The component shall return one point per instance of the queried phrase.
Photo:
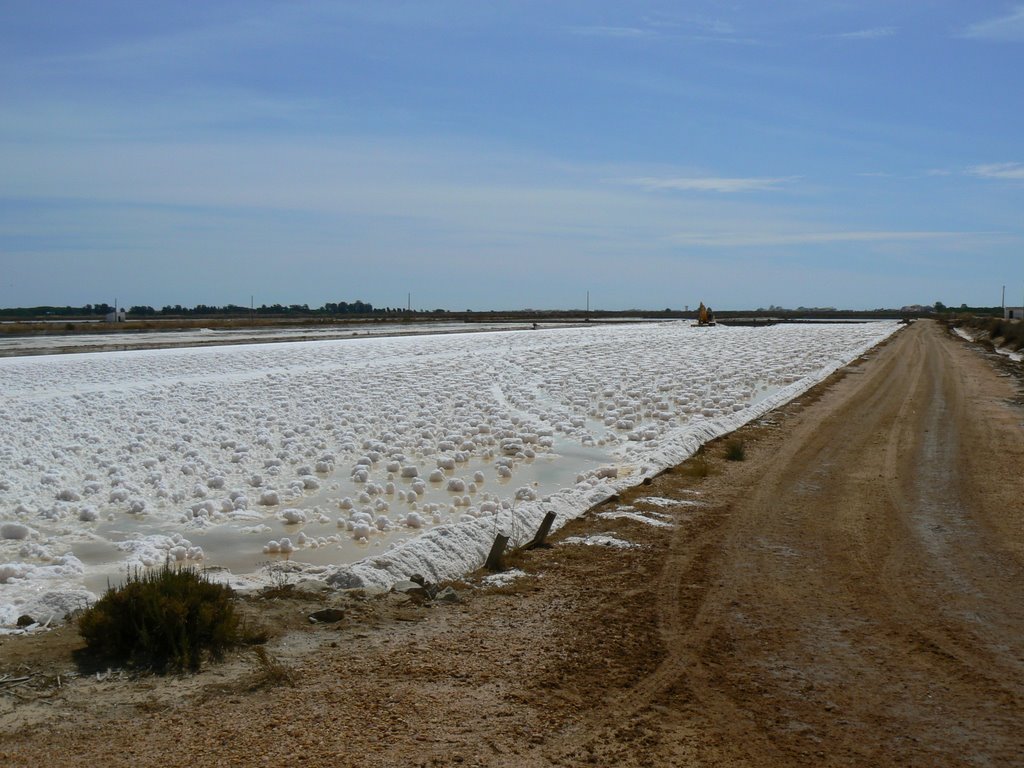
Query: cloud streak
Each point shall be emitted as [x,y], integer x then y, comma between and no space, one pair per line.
[619,33]
[748,239]
[1002,171]
[721,185]
[875,33]
[1005,28]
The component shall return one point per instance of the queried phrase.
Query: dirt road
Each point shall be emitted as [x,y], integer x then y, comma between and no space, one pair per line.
[852,595]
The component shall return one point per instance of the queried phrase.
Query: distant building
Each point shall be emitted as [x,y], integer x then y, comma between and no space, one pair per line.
[118,316]
[1013,313]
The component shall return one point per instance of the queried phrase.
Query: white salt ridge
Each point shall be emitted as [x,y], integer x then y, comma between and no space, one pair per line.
[629,513]
[502,579]
[38,595]
[201,440]
[963,334]
[156,550]
[659,501]
[601,540]
[53,344]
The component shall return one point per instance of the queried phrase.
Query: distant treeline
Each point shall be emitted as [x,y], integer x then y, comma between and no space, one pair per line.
[204,310]
[965,310]
[357,308]
[330,308]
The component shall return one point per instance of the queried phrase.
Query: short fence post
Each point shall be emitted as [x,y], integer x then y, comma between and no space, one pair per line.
[542,532]
[495,560]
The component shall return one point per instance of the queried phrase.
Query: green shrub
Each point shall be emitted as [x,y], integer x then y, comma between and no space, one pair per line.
[166,619]
[735,450]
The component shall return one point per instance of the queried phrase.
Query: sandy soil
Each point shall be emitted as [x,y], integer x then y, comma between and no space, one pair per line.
[852,594]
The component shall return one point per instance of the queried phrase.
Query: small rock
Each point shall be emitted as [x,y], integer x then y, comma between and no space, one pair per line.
[25,621]
[316,586]
[345,579]
[412,589]
[327,616]
[418,579]
[448,595]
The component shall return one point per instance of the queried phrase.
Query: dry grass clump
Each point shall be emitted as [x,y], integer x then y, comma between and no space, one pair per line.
[697,466]
[271,672]
[735,450]
[1011,331]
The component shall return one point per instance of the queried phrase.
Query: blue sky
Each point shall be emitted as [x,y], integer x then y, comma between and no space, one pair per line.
[512,154]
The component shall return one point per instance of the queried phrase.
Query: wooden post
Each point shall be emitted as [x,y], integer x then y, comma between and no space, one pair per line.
[495,560]
[542,532]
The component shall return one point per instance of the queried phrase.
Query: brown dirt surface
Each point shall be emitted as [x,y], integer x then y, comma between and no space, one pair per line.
[852,594]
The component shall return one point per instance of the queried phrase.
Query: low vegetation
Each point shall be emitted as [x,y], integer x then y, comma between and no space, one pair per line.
[735,450]
[1006,333]
[1010,331]
[168,619]
[697,466]
[271,673]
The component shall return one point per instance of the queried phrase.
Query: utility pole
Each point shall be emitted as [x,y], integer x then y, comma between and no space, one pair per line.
[588,302]
[408,302]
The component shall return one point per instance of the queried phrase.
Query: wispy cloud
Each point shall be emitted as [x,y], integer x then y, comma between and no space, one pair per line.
[938,172]
[614,32]
[722,185]
[874,33]
[691,29]
[1004,171]
[1009,27]
[733,240]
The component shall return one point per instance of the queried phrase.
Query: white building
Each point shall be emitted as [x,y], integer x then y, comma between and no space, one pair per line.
[117,317]
[1013,313]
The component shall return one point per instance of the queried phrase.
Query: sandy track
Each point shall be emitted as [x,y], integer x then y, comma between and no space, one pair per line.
[852,594]
[869,604]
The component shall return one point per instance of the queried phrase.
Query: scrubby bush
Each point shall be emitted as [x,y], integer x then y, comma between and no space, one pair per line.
[166,619]
[1011,331]
[735,450]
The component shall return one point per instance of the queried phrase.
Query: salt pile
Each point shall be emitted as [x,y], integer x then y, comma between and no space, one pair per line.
[322,452]
[631,513]
[600,540]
